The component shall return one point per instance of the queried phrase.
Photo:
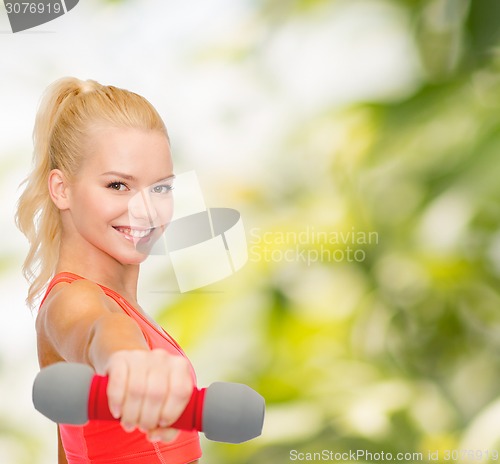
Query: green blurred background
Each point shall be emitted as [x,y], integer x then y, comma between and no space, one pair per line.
[360,142]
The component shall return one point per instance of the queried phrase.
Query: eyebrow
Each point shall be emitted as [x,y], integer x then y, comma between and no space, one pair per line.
[132,178]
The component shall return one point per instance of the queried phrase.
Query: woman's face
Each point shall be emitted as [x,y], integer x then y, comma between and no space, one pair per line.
[121,200]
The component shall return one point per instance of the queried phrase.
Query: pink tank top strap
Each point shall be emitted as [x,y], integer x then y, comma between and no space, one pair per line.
[57,279]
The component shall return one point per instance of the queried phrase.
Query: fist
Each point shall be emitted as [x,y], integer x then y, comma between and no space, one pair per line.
[149,390]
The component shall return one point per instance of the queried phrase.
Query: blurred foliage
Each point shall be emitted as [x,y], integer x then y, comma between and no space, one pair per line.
[399,351]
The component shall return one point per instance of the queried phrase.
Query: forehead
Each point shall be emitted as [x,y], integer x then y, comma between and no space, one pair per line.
[127,149]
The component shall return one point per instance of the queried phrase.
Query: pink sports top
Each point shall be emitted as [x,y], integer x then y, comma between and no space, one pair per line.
[105,442]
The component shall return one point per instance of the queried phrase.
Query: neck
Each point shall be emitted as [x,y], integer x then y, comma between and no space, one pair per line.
[97,266]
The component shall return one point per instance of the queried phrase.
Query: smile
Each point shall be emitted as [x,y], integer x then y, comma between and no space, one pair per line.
[135,233]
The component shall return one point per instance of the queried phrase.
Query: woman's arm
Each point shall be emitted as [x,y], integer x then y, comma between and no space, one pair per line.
[147,389]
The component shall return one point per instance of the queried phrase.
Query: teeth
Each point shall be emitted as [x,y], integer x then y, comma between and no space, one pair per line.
[134,233]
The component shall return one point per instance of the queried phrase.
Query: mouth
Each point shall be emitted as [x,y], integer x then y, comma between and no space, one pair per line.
[134,232]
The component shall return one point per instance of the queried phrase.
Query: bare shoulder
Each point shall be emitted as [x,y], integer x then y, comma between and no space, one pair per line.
[72,301]
[65,320]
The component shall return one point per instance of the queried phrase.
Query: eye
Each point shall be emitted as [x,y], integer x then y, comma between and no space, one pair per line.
[164,188]
[119,186]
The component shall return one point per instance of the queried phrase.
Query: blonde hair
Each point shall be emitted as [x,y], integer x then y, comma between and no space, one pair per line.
[69,108]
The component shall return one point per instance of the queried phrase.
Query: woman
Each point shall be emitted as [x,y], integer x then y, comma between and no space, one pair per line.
[98,198]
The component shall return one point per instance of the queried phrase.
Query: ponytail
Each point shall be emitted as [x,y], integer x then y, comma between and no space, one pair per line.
[67,110]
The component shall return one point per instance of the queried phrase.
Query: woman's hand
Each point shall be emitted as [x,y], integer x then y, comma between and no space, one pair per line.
[148,390]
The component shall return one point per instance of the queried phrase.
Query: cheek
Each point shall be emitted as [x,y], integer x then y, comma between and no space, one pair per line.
[97,206]
[165,209]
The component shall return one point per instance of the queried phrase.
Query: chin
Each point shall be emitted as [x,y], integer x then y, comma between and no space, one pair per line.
[131,259]
[147,247]
[135,253]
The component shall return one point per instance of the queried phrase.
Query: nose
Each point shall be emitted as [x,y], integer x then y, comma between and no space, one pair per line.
[142,210]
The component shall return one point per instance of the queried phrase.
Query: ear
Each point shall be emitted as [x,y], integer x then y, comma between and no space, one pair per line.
[59,189]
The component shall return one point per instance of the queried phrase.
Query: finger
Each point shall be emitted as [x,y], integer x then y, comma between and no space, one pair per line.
[134,396]
[154,399]
[116,389]
[162,434]
[180,389]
